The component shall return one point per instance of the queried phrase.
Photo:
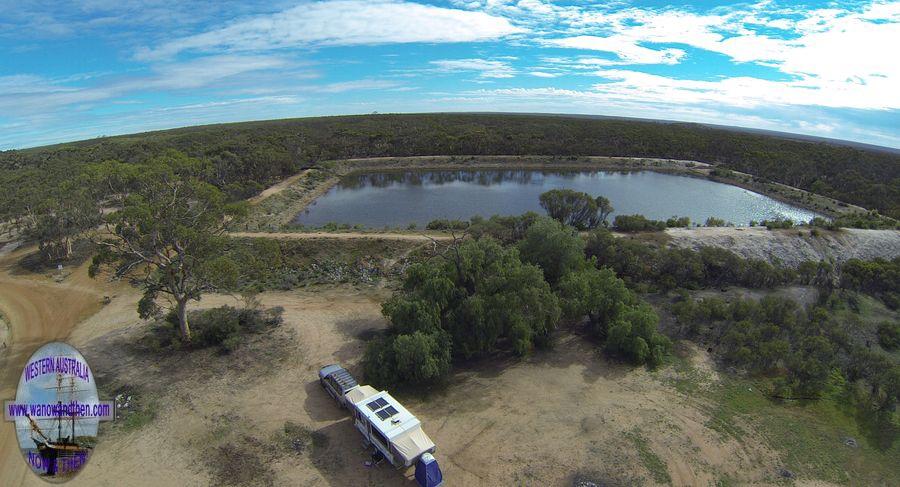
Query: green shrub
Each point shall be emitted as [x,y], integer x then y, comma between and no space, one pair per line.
[224,326]
[879,277]
[820,222]
[637,223]
[576,209]
[555,248]
[416,358]
[778,223]
[481,295]
[597,294]
[808,350]
[669,268]
[714,222]
[889,335]
[676,222]
[869,220]
[505,229]
[635,336]
[445,224]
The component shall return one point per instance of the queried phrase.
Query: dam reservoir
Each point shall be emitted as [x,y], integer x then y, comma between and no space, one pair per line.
[400,198]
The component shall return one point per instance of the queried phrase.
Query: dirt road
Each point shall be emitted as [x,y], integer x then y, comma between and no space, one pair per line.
[38,310]
[278,187]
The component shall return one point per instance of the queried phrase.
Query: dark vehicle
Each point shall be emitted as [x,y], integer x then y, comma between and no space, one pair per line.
[337,381]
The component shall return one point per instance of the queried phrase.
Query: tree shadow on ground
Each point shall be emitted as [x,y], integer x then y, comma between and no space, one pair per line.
[343,459]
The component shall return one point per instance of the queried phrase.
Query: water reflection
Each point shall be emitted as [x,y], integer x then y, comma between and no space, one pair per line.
[399,198]
[421,178]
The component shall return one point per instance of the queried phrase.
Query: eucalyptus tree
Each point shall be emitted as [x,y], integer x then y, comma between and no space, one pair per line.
[167,235]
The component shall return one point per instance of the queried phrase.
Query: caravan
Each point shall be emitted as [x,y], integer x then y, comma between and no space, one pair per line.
[385,424]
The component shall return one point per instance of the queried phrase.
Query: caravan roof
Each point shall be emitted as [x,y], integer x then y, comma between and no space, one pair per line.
[387,414]
[396,423]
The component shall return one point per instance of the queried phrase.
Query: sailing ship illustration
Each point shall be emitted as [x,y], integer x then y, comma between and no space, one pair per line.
[61,450]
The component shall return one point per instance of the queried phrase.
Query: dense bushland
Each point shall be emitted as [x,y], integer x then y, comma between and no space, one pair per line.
[879,277]
[483,295]
[807,351]
[248,156]
[664,268]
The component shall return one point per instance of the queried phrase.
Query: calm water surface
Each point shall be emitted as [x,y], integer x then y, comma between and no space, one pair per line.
[376,200]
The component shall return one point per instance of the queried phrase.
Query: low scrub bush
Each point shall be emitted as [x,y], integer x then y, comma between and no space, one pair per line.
[870,220]
[878,277]
[669,268]
[806,350]
[225,326]
[505,229]
[715,222]
[445,224]
[778,223]
[678,222]
[889,335]
[637,223]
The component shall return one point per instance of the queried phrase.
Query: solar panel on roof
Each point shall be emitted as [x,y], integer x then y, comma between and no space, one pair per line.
[377,404]
[386,413]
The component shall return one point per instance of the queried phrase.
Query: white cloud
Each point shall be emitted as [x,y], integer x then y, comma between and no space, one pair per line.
[746,91]
[203,71]
[485,67]
[281,100]
[343,23]
[355,85]
[628,51]
[832,57]
[31,95]
[543,74]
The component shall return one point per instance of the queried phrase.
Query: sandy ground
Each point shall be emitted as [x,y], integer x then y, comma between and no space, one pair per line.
[499,422]
[39,310]
[277,188]
[794,246]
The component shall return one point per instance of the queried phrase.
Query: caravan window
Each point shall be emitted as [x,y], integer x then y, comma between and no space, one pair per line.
[378,436]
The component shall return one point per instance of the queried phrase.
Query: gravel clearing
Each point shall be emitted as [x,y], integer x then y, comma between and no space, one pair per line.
[792,246]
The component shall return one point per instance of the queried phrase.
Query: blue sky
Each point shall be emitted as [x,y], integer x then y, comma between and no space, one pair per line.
[75,70]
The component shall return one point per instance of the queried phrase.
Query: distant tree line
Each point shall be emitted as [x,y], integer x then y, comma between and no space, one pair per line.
[245,157]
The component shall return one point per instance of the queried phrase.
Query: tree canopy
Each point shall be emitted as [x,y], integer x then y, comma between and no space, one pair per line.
[167,235]
[476,298]
[555,248]
[575,208]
